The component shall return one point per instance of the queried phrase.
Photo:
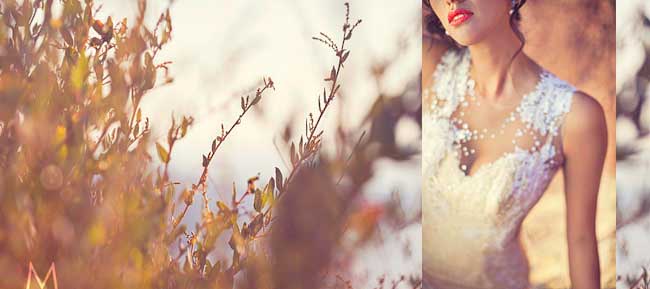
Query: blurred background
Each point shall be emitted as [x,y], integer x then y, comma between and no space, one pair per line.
[91,201]
[632,124]
[220,49]
[575,40]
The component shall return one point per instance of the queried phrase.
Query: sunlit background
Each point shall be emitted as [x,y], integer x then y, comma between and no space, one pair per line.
[576,41]
[222,49]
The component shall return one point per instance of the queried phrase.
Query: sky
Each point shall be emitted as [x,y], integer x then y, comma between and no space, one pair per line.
[221,49]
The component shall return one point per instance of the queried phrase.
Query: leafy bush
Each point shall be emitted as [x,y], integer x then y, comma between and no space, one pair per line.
[77,188]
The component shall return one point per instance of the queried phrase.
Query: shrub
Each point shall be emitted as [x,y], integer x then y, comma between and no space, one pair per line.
[77,188]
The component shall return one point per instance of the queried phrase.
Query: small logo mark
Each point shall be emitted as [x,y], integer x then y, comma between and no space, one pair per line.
[41,283]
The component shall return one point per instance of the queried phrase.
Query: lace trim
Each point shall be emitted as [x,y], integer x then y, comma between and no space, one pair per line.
[542,110]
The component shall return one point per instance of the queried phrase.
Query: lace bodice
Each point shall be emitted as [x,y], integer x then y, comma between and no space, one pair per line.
[481,178]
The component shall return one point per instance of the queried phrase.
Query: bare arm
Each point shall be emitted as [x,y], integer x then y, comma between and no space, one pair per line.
[585,144]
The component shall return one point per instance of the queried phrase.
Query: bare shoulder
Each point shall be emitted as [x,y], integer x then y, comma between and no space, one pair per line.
[585,123]
[585,112]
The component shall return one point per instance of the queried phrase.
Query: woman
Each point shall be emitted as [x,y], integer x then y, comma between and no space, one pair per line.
[497,127]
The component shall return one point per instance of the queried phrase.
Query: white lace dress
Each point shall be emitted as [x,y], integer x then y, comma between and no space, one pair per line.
[472,216]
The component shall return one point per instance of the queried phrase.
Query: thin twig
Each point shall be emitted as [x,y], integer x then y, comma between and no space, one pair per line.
[217,144]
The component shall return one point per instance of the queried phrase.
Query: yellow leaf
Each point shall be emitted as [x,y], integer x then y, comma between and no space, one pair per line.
[162,153]
[62,154]
[222,206]
[258,204]
[56,23]
[79,72]
[59,135]
[97,234]
[237,242]
[137,258]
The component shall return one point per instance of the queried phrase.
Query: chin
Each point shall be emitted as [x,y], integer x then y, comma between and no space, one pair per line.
[467,34]
[466,39]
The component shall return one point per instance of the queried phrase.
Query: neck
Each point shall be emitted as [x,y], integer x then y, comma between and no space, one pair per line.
[493,60]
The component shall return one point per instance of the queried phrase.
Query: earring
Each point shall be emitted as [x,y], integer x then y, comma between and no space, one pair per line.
[513,5]
[447,32]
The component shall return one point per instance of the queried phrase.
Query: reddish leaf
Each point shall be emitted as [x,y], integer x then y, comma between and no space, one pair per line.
[278,179]
[294,158]
[345,56]
[67,37]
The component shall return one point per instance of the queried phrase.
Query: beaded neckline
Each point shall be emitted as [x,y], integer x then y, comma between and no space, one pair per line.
[464,134]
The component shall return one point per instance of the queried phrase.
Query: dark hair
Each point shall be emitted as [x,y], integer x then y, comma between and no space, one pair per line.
[437,31]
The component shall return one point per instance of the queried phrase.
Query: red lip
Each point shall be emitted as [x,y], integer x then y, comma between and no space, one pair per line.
[459,16]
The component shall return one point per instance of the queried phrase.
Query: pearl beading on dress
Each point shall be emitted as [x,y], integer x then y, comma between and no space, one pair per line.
[538,123]
[470,223]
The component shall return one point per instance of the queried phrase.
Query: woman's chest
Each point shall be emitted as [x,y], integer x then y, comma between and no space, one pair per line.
[510,177]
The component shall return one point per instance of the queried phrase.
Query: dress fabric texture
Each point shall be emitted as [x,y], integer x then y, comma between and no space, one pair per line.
[471,222]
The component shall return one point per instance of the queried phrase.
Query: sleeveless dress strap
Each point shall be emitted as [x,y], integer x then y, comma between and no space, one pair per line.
[557,100]
[566,108]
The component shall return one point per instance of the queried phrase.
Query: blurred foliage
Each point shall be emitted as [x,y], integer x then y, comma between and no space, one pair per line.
[635,113]
[77,186]
[642,283]
[633,200]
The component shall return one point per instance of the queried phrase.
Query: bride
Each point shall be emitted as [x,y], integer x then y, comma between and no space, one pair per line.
[496,128]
